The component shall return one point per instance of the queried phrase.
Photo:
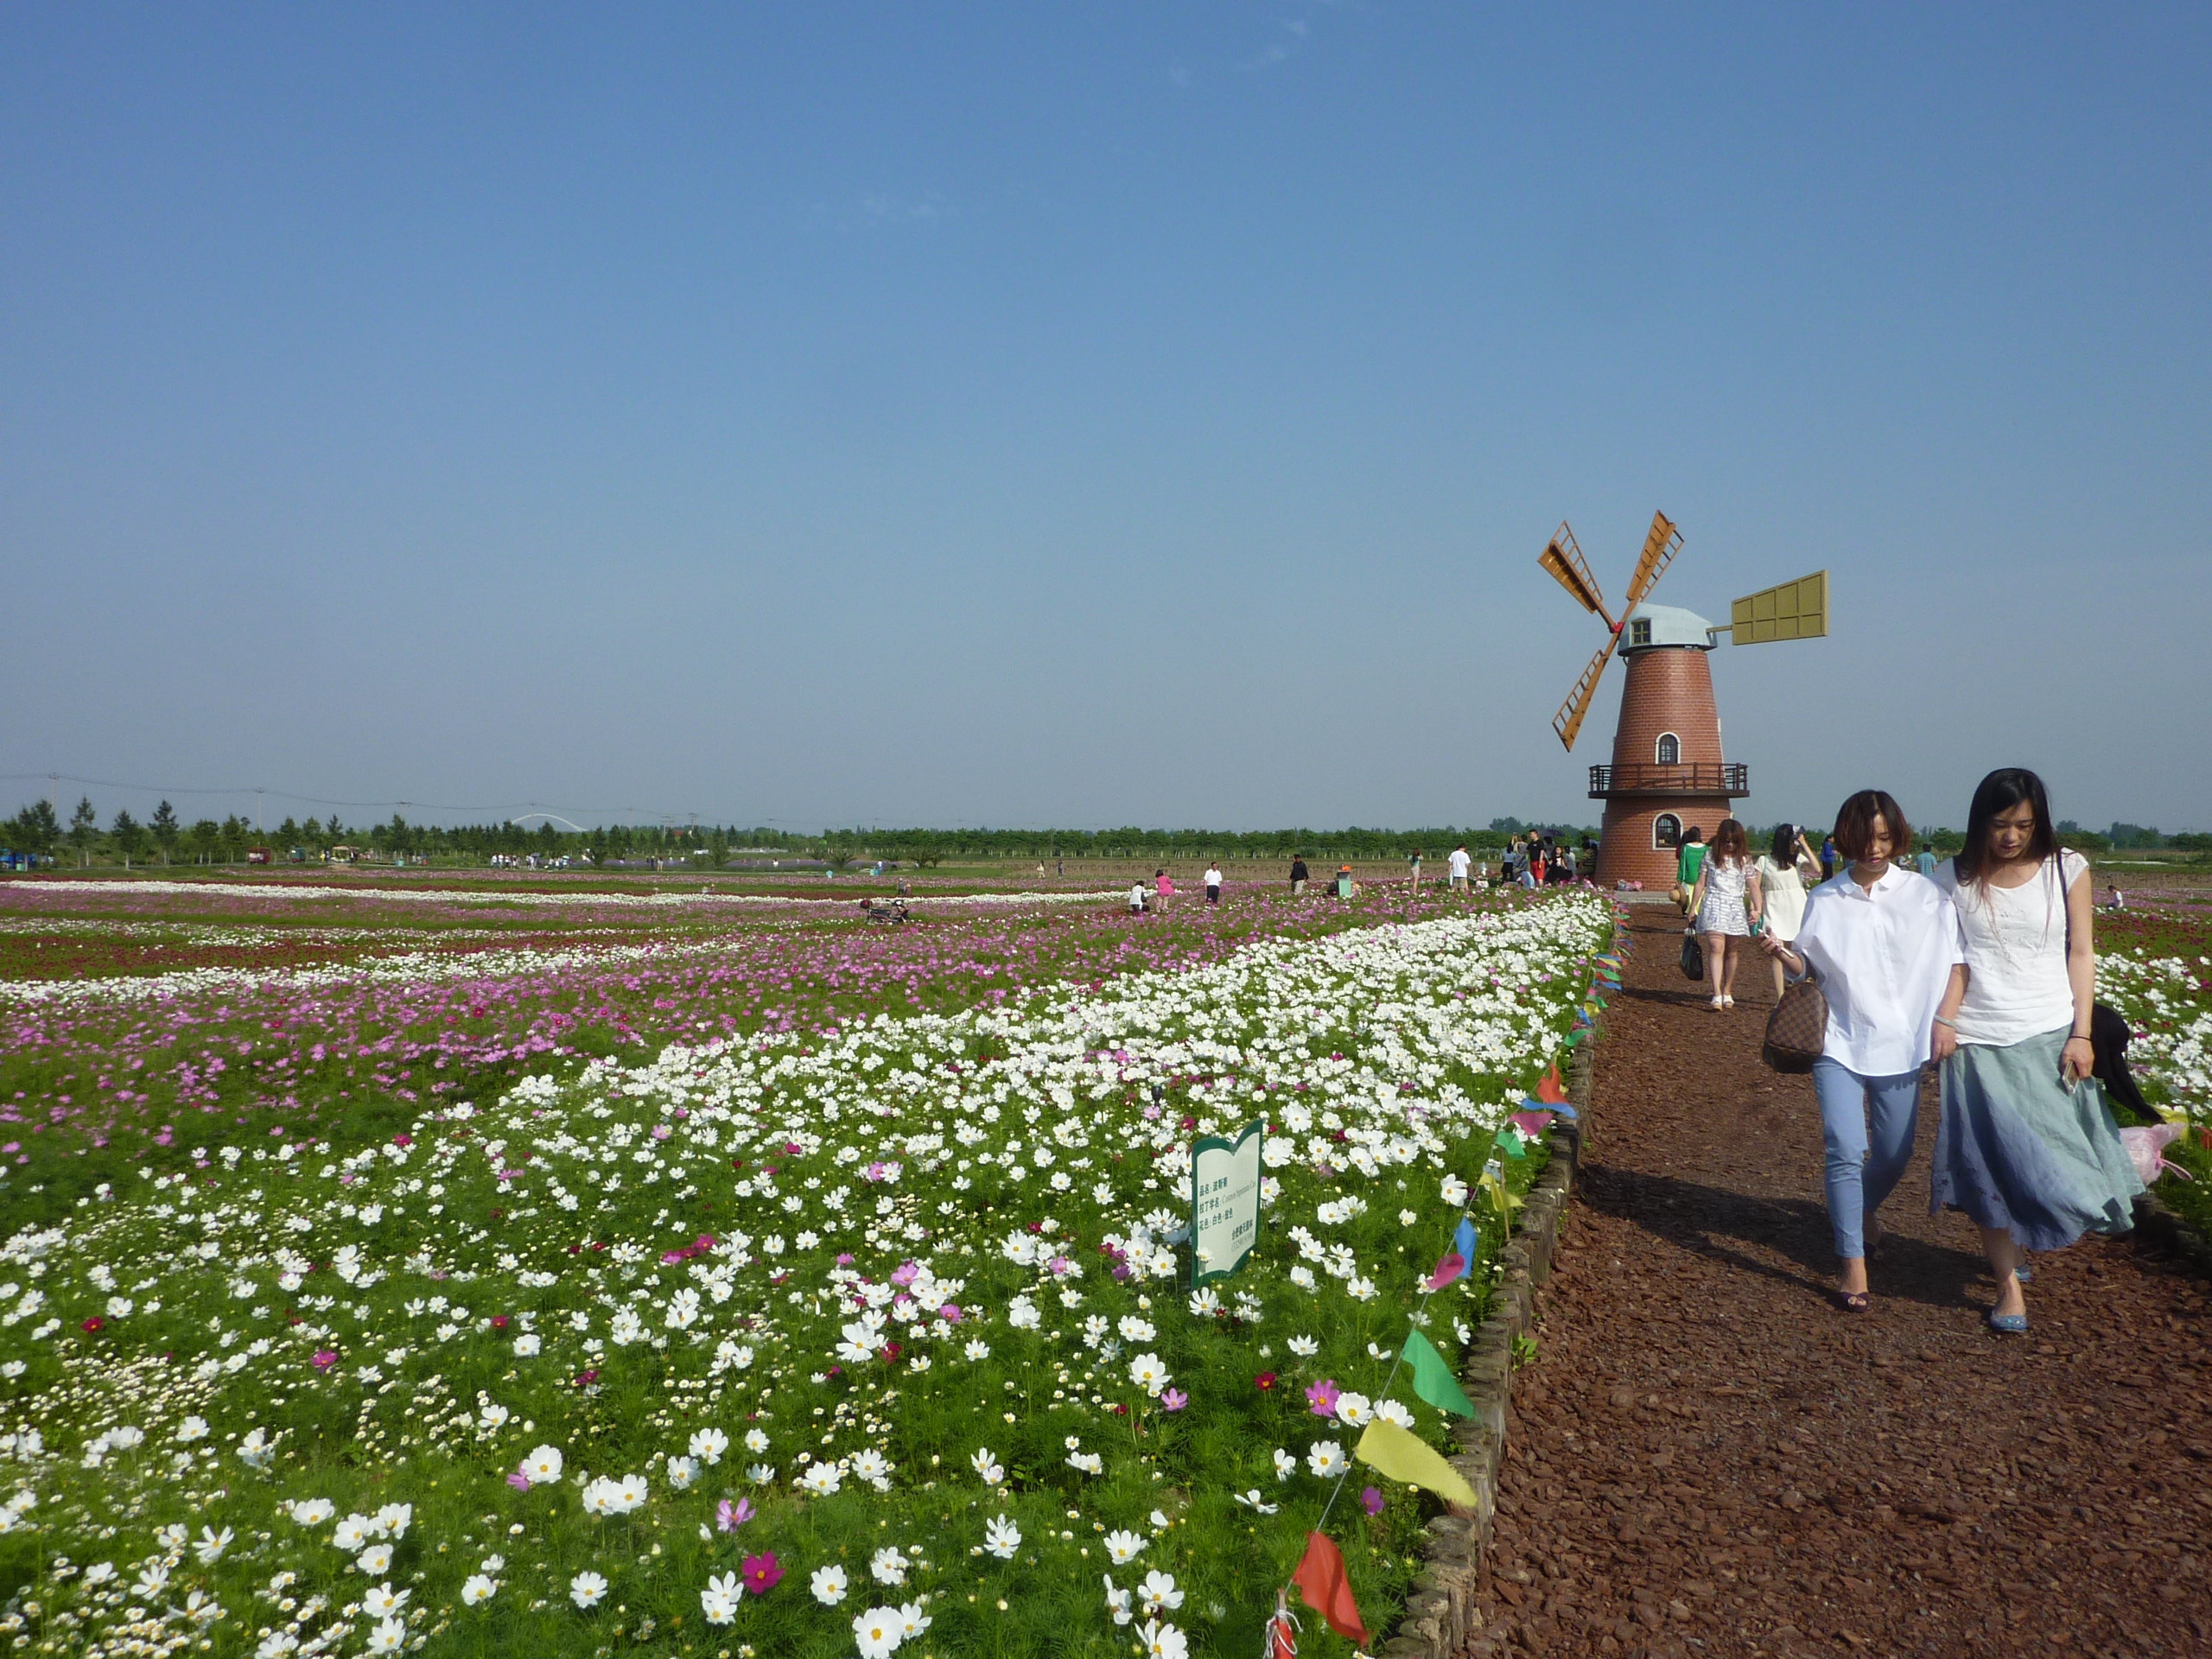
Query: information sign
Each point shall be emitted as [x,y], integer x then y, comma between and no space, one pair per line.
[1224,1203]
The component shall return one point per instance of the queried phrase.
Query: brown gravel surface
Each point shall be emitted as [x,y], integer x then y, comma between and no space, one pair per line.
[1708,1458]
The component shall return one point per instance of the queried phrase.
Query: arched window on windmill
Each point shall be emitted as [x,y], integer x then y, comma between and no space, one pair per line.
[1670,750]
[1665,830]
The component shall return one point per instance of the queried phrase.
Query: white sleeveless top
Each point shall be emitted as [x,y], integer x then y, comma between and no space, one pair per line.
[2015,942]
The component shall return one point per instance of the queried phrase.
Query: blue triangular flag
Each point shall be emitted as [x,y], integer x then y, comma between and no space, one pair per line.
[1463,1240]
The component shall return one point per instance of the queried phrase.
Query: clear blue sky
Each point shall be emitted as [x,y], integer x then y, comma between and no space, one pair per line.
[1087,415]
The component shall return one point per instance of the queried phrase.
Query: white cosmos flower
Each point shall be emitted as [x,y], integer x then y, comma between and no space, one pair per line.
[528,1345]
[682,1471]
[1160,1593]
[543,1466]
[718,1601]
[191,1429]
[1327,1459]
[879,1630]
[888,1566]
[977,1348]
[872,1466]
[912,1621]
[1122,1547]
[393,1519]
[389,1636]
[828,1585]
[211,1545]
[820,1478]
[1001,1538]
[1390,1411]
[988,1467]
[708,1445]
[1286,1465]
[1133,1329]
[476,1589]
[1119,1602]
[1356,1409]
[1164,1641]
[587,1590]
[1304,1347]
[383,1601]
[755,1440]
[1147,1371]
[376,1558]
[352,1533]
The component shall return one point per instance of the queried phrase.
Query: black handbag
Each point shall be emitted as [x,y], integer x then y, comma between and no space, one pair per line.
[1692,955]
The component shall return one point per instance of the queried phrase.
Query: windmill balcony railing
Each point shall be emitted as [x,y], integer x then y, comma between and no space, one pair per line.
[1695,778]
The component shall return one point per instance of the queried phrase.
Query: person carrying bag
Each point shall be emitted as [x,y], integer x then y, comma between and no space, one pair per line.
[1884,942]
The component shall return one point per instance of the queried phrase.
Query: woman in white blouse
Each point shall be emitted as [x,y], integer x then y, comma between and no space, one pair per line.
[1782,870]
[1884,941]
[2026,1145]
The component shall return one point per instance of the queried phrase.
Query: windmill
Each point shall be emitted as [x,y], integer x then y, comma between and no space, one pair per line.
[1668,775]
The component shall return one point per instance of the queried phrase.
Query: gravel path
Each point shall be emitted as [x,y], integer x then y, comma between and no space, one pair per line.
[1709,1459]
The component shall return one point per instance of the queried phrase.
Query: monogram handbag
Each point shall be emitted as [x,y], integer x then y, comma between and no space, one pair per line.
[1797,1030]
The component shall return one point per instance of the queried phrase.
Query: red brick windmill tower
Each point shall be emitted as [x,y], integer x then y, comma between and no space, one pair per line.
[1667,775]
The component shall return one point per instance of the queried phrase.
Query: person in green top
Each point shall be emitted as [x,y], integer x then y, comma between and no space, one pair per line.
[1689,863]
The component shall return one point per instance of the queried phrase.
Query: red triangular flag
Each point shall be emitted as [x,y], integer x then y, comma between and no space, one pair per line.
[1548,1088]
[1453,1266]
[1320,1579]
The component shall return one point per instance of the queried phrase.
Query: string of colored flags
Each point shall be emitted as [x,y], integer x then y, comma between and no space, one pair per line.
[1321,1578]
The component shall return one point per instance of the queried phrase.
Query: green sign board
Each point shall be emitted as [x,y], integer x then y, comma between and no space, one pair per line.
[1224,1203]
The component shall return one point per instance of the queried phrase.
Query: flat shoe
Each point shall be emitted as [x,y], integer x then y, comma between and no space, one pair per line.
[2009,1325]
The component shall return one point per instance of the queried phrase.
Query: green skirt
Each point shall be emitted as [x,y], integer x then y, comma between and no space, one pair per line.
[2019,1148]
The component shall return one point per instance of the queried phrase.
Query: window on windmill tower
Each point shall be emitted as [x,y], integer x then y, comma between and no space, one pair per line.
[1639,632]
[1665,830]
[1670,749]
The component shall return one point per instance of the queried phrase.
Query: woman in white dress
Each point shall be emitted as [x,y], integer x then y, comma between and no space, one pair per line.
[1780,871]
[2026,1146]
[1726,902]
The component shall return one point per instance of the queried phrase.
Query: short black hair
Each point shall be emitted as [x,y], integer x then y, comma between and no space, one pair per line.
[1854,823]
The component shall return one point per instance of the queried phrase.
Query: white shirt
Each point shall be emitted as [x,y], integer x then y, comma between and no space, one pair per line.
[1884,957]
[1136,896]
[1460,862]
[2015,943]
[1213,876]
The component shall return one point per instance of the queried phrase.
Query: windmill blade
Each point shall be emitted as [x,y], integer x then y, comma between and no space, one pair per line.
[1659,549]
[1564,561]
[1568,721]
[1793,610]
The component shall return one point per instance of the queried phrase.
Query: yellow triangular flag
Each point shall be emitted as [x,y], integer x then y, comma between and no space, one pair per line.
[1389,1450]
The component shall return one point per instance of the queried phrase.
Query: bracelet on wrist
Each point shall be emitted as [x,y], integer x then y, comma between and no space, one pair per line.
[1940,1021]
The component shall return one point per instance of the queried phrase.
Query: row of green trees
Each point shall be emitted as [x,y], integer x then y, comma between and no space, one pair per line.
[164,837]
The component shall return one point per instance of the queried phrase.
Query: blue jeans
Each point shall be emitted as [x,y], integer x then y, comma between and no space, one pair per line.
[1867,1124]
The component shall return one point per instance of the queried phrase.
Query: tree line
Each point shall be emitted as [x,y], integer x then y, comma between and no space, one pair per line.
[164,837]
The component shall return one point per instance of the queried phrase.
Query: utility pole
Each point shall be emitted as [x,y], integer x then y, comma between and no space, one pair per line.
[257,814]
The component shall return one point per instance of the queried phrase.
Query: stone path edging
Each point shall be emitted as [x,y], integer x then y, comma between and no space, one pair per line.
[1441,1611]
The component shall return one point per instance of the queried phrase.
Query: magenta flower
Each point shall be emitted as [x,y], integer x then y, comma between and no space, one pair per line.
[762,1573]
[905,1272]
[1371,1500]
[950,1313]
[323,1358]
[1321,1398]
[1175,1399]
[730,1517]
[519,1481]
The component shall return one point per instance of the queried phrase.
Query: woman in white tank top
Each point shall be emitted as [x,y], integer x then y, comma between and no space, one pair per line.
[2026,1146]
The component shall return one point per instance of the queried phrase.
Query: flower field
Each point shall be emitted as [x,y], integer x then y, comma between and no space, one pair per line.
[2157,970]
[789,1314]
[140,1019]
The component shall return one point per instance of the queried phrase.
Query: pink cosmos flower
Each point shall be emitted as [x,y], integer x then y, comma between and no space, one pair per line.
[730,1517]
[1321,1398]
[1372,1501]
[904,1274]
[519,1481]
[950,1313]
[1175,1399]
[323,1358]
[762,1573]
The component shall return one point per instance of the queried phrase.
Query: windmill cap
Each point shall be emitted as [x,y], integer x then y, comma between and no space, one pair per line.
[1670,625]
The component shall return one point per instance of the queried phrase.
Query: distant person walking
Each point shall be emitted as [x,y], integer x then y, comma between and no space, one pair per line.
[1299,875]
[1926,862]
[2026,1145]
[1781,891]
[1413,870]
[1460,864]
[1726,903]
[1886,945]
[1689,863]
[1213,884]
[1827,859]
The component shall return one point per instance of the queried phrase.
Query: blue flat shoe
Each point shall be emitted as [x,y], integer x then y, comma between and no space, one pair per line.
[2009,1325]
[2025,1273]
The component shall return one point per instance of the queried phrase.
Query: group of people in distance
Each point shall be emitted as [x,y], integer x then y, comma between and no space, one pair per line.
[1983,966]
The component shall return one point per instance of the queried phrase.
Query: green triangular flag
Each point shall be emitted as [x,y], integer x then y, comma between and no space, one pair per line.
[1433,1378]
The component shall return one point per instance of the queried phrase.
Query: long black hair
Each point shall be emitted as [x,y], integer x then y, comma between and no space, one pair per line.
[2003,790]
[1784,848]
